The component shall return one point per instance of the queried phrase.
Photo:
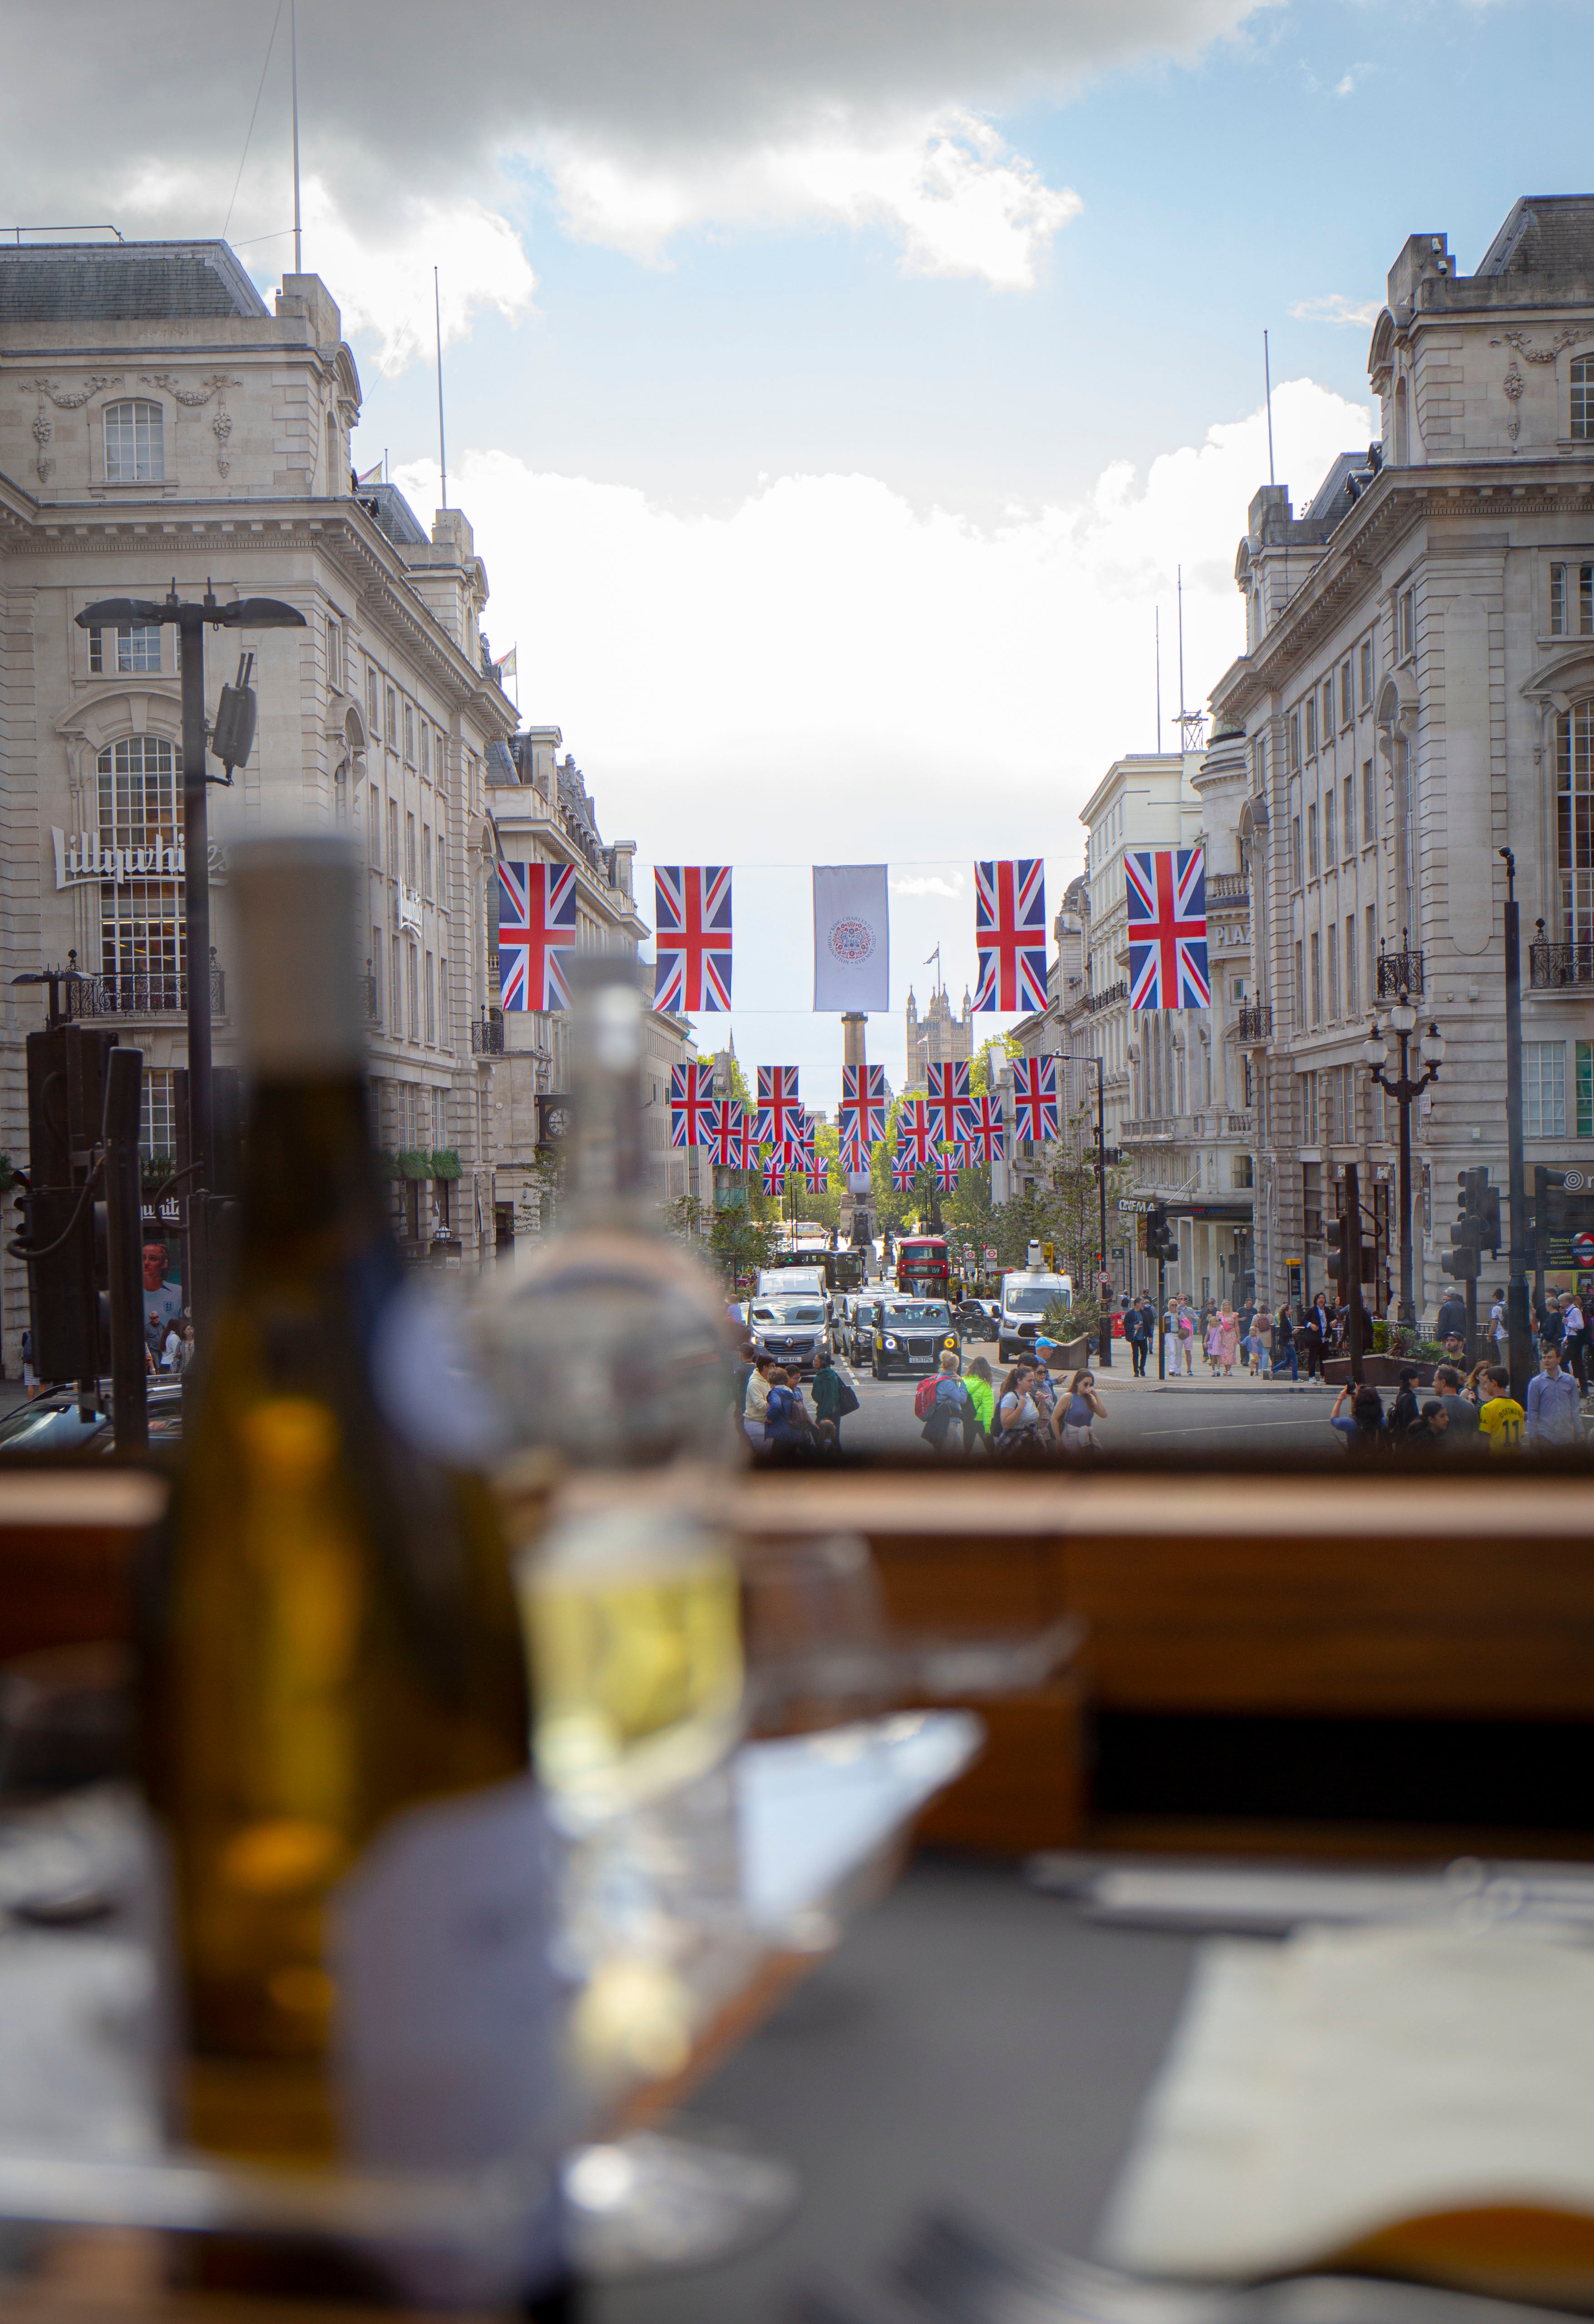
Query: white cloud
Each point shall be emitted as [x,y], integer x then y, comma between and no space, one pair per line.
[1351,81]
[1336,308]
[959,201]
[928,884]
[385,287]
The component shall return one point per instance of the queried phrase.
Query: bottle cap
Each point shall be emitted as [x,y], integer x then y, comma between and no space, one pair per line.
[301,1005]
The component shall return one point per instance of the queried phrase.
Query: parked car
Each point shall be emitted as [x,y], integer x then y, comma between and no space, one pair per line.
[53,1425]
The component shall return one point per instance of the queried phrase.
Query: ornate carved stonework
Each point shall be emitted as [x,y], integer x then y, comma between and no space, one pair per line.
[48,392]
[216,384]
[1523,342]
[1513,385]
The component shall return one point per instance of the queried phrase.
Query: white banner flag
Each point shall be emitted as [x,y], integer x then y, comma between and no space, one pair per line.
[852,930]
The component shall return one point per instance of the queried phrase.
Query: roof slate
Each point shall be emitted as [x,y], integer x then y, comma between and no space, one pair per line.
[123,281]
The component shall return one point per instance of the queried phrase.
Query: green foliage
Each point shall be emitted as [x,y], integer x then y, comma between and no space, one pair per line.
[740,1244]
[155,1172]
[446,1163]
[387,1164]
[414,1162]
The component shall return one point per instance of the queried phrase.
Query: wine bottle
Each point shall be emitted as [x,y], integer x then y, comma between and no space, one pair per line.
[334,1699]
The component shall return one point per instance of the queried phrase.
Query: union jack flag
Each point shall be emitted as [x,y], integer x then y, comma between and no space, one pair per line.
[691,1104]
[693,909]
[853,1154]
[916,1133]
[948,1168]
[536,928]
[1167,931]
[1010,931]
[728,1135]
[949,1088]
[815,1173]
[1035,1098]
[800,1146]
[781,1111]
[979,1134]
[775,1172]
[863,1102]
[904,1170]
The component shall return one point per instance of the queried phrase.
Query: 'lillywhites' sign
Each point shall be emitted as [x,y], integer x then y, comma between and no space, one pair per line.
[84,855]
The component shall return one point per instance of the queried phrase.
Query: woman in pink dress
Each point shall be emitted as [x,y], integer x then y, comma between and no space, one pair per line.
[1228,1339]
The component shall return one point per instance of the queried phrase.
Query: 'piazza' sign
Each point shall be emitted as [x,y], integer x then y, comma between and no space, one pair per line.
[82,855]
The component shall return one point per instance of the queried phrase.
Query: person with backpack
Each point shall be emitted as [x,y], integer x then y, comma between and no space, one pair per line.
[1017,1417]
[981,1406]
[946,1404]
[832,1396]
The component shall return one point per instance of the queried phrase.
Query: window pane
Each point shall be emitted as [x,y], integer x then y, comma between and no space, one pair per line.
[1544,1089]
[1582,397]
[1557,600]
[141,915]
[134,446]
[1584,1072]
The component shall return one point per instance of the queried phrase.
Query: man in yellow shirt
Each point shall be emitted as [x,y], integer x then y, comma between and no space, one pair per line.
[1501,1419]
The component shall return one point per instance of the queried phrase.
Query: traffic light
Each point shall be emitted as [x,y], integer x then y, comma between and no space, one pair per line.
[1336,1235]
[1480,1206]
[1048,1252]
[1162,1237]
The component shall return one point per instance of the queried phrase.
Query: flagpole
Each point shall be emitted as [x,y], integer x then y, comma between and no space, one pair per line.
[442,449]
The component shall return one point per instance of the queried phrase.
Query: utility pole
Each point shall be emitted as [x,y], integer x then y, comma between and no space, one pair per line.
[1518,1334]
[1105,1332]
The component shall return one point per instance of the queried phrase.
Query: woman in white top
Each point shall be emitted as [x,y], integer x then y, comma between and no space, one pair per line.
[1018,1410]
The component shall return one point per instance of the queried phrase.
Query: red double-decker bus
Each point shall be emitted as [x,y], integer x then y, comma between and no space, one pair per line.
[924,1266]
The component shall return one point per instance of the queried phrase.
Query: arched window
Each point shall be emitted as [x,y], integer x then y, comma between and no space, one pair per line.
[135,448]
[1574,821]
[1582,397]
[140,915]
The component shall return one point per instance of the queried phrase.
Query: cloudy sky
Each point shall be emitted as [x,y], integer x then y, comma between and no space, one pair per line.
[835,389]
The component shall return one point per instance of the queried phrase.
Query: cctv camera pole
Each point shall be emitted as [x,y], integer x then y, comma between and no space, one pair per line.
[196,848]
[1518,1333]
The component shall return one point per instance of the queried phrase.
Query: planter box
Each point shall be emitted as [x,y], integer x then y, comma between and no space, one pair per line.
[1379,1372]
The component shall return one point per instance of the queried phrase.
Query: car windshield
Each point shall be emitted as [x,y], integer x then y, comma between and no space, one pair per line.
[791,1311]
[1029,1300]
[48,1428]
[916,1310]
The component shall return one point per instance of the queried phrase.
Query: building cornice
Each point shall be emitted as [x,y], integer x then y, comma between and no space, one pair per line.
[1353,561]
[338,529]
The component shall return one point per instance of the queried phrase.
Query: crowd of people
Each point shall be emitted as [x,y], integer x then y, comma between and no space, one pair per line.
[1462,1414]
[962,1406]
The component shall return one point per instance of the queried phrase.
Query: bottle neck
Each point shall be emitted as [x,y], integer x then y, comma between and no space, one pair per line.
[311,1196]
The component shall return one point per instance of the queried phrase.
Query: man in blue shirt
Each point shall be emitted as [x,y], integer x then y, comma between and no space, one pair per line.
[1553,1404]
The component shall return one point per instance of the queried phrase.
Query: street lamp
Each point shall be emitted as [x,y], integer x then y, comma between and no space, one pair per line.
[1403,1088]
[190,621]
[1104,1299]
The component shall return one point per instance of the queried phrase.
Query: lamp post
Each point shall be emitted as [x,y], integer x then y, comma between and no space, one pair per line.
[1403,1088]
[1104,1335]
[189,621]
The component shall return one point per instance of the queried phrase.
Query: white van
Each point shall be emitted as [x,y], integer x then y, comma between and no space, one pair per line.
[1026,1293]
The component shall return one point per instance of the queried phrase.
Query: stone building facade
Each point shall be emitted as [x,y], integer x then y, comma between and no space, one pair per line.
[1418,693]
[540,812]
[937,1038]
[160,424]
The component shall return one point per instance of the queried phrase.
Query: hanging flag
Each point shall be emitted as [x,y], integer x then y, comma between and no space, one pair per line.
[980,1133]
[1035,1098]
[781,1109]
[851,937]
[775,1172]
[948,1168]
[373,475]
[1010,931]
[727,1133]
[949,1088]
[1167,929]
[536,934]
[692,905]
[852,1155]
[904,1170]
[916,1132]
[815,1173]
[863,1102]
[800,1144]
[509,665]
[691,1102]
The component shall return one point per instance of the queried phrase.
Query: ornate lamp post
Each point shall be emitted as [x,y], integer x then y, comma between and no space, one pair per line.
[1403,1088]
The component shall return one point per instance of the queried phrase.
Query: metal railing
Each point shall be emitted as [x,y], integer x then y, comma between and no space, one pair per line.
[372,999]
[1560,967]
[1229,888]
[487,1038]
[1400,972]
[1109,999]
[1256,1021]
[140,992]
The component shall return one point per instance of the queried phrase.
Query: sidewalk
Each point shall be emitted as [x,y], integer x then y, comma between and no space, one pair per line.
[1201,1382]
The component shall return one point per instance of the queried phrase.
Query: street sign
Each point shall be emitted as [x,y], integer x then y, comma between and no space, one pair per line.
[1582,1250]
[991,1254]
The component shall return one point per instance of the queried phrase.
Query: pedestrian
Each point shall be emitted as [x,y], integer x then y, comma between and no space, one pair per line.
[1553,1404]
[1498,1331]
[1451,1323]
[1213,1340]
[1404,1410]
[1500,1416]
[1228,1339]
[171,1349]
[1460,1415]
[755,1408]
[1072,1425]
[1553,1328]
[982,1405]
[1134,1332]
[1284,1342]
[1574,1346]
[1475,1388]
[1426,1432]
[1187,1337]
[188,1348]
[1359,1417]
[1309,1342]
[828,1385]
[30,1376]
[1017,1410]
[1261,1342]
[949,1406]
[1043,1387]
[747,1356]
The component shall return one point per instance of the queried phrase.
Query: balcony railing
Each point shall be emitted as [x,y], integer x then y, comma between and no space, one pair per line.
[487,1038]
[140,993]
[1229,888]
[1256,1021]
[1108,999]
[1560,967]
[1400,972]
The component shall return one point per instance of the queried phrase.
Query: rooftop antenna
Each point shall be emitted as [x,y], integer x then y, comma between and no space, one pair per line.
[1156,641]
[1267,384]
[442,453]
[293,51]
